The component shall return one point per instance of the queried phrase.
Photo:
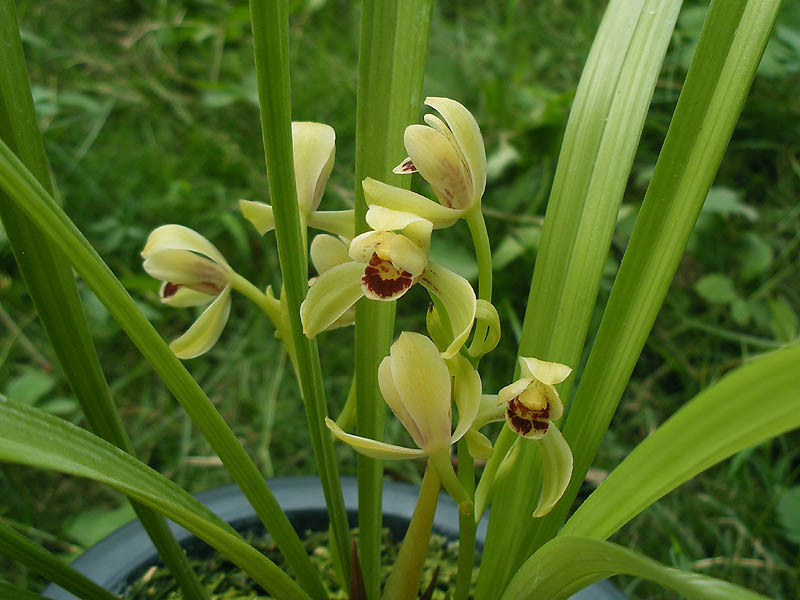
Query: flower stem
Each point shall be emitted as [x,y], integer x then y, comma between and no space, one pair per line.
[403,582]
[483,254]
[467,524]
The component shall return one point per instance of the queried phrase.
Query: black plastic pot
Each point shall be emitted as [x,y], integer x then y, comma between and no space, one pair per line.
[124,555]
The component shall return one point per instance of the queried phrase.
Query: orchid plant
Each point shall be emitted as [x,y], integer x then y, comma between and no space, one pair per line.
[366,260]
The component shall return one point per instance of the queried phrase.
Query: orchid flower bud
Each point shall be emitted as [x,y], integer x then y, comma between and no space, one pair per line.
[194,272]
[449,154]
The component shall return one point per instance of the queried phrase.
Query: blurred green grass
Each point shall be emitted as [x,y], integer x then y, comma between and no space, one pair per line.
[149,115]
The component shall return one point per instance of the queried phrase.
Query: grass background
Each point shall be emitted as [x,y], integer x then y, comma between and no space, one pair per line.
[149,114]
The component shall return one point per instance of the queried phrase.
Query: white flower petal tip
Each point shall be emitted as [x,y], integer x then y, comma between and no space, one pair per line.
[259,214]
[557,472]
[550,373]
[533,403]
[205,331]
[314,148]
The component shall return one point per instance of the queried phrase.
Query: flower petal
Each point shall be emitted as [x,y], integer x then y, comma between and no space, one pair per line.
[459,301]
[395,402]
[546,372]
[178,237]
[478,445]
[314,148]
[422,382]
[468,135]
[489,411]
[327,252]
[372,448]
[187,268]
[486,313]
[259,214]
[381,218]
[467,394]
[512,390]
[557,470]
[339,222]
[440,164]
[179,296]
[205,331]
[336,290]
[377,193]
[405,168]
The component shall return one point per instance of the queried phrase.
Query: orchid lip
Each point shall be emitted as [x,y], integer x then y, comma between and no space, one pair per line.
[383,281]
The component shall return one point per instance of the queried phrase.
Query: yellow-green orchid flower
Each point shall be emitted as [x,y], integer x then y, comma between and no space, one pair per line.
[314,149]
[328,252]
[416,384]
[194,272]
[531,404]
[385,263]
[448,154]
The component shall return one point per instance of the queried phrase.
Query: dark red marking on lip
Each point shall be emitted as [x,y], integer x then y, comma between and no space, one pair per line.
[170,289]
[384,280]
[407,166]
[523,419]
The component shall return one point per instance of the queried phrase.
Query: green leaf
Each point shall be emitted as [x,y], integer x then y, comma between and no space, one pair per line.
[727,202]
[91,526]
[710,101]
[554,573]
[50,280]
[30,387]
[789,513]
[19,548]
[750,405]
[393,40]
[784,319]
[40,207]
[716,288]
[32,437]
[755,256]
[599,145]
[270,23]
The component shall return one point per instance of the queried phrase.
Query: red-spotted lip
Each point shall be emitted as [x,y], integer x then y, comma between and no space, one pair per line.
[524,419]
[383,281]
[170,288]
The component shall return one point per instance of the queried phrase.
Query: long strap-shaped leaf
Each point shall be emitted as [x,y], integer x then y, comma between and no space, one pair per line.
[709,106]
[11,591]
[754,403]
[32,437]
[391,63]
[50,281]
[49,566]
[566,565]
[601,138]
[270,19]
[54,224]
